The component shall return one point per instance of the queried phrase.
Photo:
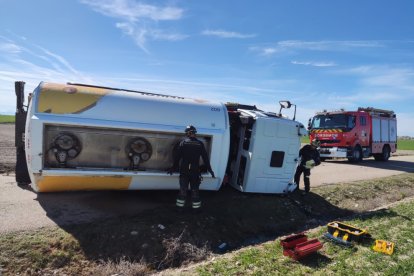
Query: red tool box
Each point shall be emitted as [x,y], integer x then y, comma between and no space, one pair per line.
[298,246]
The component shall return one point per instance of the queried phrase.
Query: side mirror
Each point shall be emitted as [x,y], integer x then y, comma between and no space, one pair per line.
[309,123]
[285,104]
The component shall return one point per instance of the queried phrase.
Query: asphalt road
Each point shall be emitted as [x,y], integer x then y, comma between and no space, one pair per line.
[23,209]
[336,171]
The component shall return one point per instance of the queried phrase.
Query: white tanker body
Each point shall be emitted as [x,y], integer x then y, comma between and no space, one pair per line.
[81,137]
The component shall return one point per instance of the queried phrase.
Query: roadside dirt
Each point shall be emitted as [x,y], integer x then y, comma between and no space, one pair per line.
[7,148]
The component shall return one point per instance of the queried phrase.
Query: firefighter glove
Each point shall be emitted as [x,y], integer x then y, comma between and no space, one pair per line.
[310,164]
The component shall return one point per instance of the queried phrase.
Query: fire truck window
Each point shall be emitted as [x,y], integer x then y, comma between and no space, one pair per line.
[316,122]
[351,122]
[363,121]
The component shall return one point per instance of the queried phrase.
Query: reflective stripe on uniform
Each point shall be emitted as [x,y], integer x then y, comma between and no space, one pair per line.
[307,176]
[196,204]
[180,203]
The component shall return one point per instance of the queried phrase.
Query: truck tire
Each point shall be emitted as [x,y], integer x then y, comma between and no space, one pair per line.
[356,155]
[385,155]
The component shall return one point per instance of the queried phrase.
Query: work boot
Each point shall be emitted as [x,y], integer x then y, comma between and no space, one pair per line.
[196,211]
[179,210]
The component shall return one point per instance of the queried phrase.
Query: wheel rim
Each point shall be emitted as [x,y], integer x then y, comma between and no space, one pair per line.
[357,154]
[386,153]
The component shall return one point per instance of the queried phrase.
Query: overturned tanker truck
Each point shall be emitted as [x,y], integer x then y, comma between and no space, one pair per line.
[83,137]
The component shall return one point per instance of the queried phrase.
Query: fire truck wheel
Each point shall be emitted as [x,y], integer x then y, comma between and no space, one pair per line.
[356,155]
[385,155]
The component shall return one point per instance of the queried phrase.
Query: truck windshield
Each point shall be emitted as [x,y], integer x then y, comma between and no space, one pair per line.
[346,122]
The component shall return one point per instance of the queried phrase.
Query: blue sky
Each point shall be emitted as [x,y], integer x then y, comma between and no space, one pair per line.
[317,54]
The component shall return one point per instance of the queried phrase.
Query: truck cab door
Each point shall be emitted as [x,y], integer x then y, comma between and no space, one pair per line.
[364,131]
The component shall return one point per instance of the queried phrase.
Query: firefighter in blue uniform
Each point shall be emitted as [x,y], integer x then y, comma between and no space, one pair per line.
[309,158]
[189,152]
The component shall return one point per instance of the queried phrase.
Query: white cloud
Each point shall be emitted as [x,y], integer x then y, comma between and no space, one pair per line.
[226,34]
[265,51]
[162,35]
[288,46]
[313,63]
[133,11]
[9,48]
[328,45]
[44,65]
[396,80]
[60,60]
[137,19]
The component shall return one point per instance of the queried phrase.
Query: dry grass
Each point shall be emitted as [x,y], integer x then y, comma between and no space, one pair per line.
[123,267]
[178,252]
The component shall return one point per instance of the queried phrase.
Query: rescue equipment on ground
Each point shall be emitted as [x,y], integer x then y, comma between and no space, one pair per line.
[384,247]
[345,234]
[297,246]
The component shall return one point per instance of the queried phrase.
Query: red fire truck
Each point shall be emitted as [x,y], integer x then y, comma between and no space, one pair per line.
[355,134]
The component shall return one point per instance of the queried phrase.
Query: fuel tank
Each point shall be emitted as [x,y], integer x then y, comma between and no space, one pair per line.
[81,137]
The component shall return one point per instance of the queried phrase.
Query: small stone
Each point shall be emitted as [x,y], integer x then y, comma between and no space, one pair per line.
[145,245]
[134,233]
[162,227]
[356,205]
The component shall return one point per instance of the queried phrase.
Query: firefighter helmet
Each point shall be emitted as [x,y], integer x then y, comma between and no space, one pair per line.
[190,129]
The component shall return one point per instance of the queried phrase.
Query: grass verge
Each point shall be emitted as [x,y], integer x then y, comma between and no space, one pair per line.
[7,119]
[394,225]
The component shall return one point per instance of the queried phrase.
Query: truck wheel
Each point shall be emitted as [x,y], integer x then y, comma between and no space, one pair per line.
[356,155]
[385,155]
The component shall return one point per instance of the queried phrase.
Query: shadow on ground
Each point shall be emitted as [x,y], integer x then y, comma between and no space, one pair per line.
[144,225]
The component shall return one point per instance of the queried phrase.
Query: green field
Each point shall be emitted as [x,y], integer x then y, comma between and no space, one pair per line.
[7,119]
[405,144]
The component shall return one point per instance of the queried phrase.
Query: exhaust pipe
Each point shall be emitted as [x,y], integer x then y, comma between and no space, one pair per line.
[19,89]
[22,174]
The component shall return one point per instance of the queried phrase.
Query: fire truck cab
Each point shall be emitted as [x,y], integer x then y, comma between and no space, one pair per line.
[355,134]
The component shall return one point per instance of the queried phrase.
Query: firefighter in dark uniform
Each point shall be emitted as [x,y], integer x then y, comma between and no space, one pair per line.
[189,151]
[309,158]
